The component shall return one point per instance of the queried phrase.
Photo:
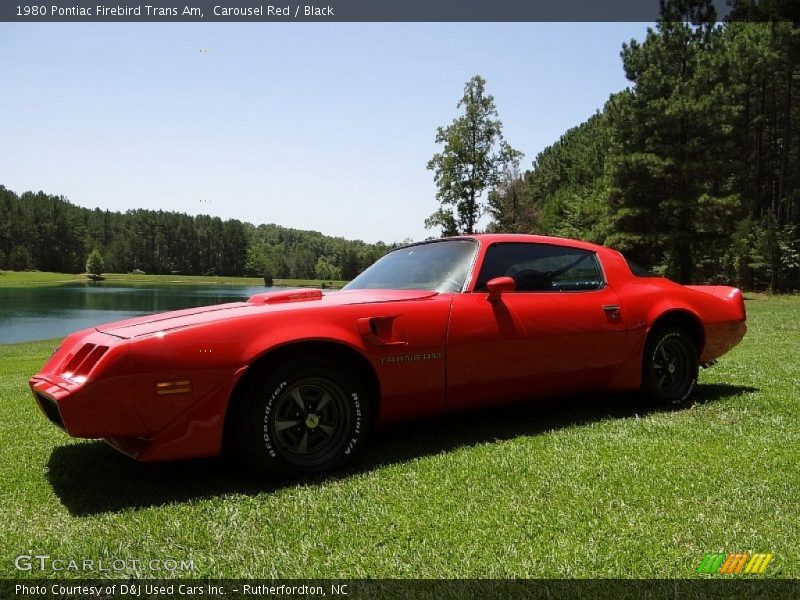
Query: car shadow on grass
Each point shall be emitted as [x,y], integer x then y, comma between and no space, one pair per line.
[92,478]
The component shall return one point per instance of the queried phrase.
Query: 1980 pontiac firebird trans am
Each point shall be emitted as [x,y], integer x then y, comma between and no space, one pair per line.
[297,378]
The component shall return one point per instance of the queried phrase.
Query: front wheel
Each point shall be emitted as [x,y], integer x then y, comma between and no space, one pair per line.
[308,416]
[670,367]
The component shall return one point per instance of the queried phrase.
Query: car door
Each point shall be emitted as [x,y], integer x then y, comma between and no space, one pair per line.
[561,330]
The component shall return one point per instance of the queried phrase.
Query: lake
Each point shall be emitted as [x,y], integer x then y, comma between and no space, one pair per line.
[53,311]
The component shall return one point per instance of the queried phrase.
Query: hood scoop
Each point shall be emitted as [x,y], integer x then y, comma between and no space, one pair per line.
[284,297]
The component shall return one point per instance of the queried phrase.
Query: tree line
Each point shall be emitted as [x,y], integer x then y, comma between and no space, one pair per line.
[48,233]
[693,170]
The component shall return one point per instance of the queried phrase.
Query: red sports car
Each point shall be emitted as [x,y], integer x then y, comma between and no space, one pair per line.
[297,378]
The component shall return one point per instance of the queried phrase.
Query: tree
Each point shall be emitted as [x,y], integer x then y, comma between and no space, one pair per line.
[325,269]
[694,170]
[472,161]
[666,156]
[45,232]
[565,192]
[95,264]
[508,201]
[301,263]
[19,259]
[234,248]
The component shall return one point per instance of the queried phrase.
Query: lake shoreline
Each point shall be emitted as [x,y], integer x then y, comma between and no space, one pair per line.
[36,311]
[39,278]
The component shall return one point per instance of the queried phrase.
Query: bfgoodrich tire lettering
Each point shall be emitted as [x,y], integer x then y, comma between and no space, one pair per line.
[308,416]
[670,367]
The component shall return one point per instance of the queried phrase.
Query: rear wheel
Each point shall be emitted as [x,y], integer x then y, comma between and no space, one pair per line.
[307,416]
[670,367]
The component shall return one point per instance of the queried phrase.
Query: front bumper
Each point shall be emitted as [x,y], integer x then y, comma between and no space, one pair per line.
[96,385]
[90,413]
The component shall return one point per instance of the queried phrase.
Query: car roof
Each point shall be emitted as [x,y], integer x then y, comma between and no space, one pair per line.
[487,239]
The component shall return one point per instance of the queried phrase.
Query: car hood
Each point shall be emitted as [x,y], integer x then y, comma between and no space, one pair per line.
[288,300]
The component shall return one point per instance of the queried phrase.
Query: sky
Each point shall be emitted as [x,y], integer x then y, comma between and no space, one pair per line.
[321,126]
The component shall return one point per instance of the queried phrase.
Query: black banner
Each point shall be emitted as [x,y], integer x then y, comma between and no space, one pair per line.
[337,10]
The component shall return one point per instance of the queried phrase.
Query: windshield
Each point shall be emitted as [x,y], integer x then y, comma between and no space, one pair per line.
[437,266]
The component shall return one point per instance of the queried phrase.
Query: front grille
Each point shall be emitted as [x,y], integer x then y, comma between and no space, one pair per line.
[50,409]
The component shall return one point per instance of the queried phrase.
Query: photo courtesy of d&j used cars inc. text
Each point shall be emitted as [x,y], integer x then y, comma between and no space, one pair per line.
[374,300]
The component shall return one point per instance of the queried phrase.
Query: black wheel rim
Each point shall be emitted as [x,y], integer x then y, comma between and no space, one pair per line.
[309,421]
[672,368]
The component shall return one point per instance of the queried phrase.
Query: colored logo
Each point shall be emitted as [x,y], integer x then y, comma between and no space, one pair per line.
[734,563]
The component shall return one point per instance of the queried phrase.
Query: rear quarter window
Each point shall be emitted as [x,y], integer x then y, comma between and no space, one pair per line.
[638,270]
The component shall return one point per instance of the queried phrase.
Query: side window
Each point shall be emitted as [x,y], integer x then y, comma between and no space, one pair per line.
[541,267]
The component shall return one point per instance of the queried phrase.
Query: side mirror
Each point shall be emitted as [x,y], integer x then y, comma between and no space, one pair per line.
[498,285]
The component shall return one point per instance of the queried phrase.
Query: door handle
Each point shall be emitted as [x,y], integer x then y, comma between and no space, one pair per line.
[612,311]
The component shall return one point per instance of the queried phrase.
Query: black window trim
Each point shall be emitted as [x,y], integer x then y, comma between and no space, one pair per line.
[600,268]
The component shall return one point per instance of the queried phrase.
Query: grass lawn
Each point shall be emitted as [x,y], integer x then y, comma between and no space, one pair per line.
[24,278]
[581,487]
